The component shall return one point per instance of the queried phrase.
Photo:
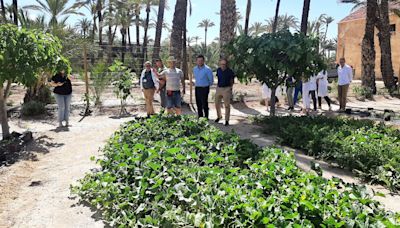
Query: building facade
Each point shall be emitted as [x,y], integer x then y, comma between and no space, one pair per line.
[350,34]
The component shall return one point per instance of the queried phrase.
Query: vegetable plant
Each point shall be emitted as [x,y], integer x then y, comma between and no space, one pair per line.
[183,172]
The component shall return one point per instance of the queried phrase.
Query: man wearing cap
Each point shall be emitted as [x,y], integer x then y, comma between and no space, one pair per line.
[149,85]
[174,78]
[204,79]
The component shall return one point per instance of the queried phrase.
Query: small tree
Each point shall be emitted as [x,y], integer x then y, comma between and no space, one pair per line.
[122,82]
[24,55]
[272,57]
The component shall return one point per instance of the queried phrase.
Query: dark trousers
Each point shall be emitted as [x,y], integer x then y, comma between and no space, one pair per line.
[327,99]
[297,90]
[314,99]
[202,100]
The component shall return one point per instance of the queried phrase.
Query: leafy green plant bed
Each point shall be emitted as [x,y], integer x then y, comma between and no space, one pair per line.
[182,172]
[370,150]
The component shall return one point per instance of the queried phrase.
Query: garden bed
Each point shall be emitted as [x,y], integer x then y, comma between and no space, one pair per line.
[178,171]
[369,149]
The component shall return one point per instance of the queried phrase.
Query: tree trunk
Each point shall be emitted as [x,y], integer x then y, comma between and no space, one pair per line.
[246,23]
[273,101]
[123,34]
[129,37]
[15,12]
[3,114]
[137,24]
[227,24]
[94,29]
[275,25]
[100,16]
[205,38]
[385,45]
[3,10]
[109,47]
[160,21]
[184,55]
[368,49]
[304,18]
[178,29]
[146,28]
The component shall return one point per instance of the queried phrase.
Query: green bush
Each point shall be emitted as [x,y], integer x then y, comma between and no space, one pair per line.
[183,172]
[33,108]
[370,150]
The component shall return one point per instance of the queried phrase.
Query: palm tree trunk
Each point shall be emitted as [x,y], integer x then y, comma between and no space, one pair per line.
[129,36]
[368,49]
[184,54]
[304,18]
[246,23]
[178,29]
[15,12]
[205,38]
[100,17]
[385,45]
[137,24]
[123,34]
[160,21]
[227,24]
[275,25]
[109,47]
[146,28]
[273,101]
[3,10]
[94,28]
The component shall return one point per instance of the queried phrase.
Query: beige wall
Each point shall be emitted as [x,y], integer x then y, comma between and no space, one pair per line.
[350,35]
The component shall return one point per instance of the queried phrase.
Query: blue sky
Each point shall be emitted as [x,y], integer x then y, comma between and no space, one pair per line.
[261,10]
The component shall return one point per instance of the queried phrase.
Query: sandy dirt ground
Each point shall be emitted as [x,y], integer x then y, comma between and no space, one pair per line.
[34,192]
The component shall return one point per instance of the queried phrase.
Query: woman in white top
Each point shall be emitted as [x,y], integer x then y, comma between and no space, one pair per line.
[322,80]
[309,88]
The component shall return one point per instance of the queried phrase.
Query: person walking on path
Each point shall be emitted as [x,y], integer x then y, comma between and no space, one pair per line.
[203,80]
[226,79]
[345,76]
[309,88]
[322,81]
[297,89]
[149,85]
[63,94]
[174,78]
[162,82]
[290,84]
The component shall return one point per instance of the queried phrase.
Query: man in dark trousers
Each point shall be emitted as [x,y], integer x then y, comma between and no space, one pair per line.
[204,79]
[224,90]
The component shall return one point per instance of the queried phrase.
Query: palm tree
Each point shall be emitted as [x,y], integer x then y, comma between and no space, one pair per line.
[26,22]
[178,28]
[327,20]
[55,9]
[196,39]
[3,11]
[275,25]
[304,18]
[15,11]
[284,22]
[257,28]
[229,19]
[91,7]
[206,23]
[248,11]
[83,25]
[159,27]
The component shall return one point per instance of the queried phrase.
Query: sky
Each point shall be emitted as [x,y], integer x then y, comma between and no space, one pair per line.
[261,10]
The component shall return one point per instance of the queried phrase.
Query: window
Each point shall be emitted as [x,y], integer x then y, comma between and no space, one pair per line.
[392,28]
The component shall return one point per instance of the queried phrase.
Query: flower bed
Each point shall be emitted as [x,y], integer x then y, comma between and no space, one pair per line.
[178,171]
[370,150]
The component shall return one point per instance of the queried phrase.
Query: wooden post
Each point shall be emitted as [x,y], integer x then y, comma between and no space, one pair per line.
[190,75]
[85,68]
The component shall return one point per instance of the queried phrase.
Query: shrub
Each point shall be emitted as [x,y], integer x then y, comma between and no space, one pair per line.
[183,172]
[370,150]
[33,108]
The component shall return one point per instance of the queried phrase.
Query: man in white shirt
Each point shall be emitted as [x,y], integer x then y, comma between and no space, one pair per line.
[345,76]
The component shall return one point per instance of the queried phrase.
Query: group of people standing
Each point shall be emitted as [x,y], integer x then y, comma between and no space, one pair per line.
[169,81]
[315,88]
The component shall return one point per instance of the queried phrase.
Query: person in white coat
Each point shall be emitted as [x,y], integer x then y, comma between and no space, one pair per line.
[149,84]
[322,80]
[309,88]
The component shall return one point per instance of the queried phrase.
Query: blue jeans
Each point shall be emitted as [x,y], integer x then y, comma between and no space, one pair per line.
[297,90]
[175,100]
[63,102]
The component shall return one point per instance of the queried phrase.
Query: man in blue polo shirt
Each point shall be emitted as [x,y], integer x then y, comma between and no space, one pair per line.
[224,90]
[204,79]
